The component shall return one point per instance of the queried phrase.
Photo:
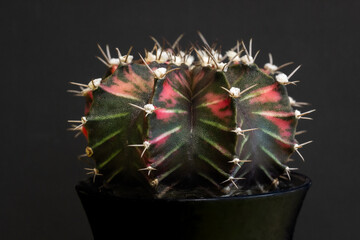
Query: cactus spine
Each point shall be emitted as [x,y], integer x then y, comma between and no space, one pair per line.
[167,126]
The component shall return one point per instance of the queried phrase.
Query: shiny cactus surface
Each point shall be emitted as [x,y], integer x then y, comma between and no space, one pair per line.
[165,126]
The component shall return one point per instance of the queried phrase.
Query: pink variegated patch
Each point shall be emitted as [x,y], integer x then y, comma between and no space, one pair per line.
[266,94]
[129,88]
[166,115]
[284,126]
[168,95]
[219,104]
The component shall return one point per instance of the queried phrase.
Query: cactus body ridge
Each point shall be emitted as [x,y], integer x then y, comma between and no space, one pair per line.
[169,126]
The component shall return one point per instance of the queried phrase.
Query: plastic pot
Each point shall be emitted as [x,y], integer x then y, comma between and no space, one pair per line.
[270,216]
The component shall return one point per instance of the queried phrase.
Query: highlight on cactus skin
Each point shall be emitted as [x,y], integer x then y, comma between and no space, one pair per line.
[169,125]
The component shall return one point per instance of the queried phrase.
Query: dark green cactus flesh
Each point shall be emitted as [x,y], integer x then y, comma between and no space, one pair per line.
[169,128]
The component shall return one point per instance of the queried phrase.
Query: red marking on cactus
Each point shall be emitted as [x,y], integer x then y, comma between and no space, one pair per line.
[85,132]
[284,126]
[168,95]
[113,68]
[90,95]
[283,144]
[220,109]
[128,89]
[160,140]
[164,114]
[266,94]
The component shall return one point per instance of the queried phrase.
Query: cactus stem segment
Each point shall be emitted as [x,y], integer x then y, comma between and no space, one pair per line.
[93,171]
[241,132]
[145,144]
[195,126]
[297,146]
[148,108]
[149,169]
[237,161]
[288,170]
[300,115]
[232,180]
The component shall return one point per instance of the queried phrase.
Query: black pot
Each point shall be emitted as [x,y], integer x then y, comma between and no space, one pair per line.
[269,216]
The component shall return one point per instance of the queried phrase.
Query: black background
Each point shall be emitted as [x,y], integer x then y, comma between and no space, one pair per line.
[46,44]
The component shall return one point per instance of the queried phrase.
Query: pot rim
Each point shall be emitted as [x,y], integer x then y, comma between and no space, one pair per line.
[305,184]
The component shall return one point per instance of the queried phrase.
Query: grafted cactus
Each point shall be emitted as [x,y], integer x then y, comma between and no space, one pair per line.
[168,126]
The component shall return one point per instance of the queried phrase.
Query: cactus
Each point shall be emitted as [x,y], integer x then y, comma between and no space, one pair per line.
[168,126]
